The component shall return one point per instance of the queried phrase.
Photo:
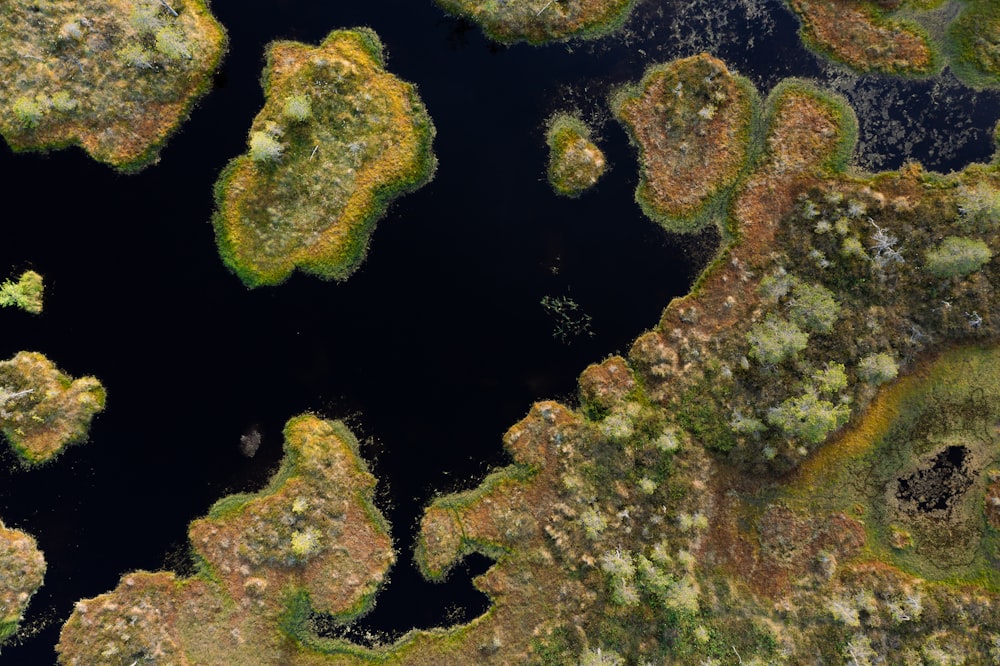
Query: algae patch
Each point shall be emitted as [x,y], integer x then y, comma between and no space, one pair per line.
[337,140]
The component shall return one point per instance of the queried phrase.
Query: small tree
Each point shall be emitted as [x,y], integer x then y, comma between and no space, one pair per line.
[957,256]
[775,339]
[26,293]
[808,418]
[979,206]
[832,379]
[813,307]
[28,112]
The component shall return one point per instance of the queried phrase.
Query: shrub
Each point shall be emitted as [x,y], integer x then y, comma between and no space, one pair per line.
[264,147]
[877,368]
[775,340]
[813,307]
[957,256]
[171,44]
[298,108]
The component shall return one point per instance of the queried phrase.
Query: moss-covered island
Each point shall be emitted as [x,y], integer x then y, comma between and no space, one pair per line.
[114,77]
[542,21]
[799,464]
[575,162]
[22,569]
[691,120]
[907,37]
[337,140]
[311,540]
[25,294]
[43,410]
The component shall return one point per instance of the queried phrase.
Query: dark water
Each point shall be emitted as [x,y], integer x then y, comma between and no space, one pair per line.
[430,351]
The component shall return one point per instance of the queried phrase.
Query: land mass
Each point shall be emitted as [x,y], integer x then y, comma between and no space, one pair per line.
[575,162]
[116,78]
[338,139]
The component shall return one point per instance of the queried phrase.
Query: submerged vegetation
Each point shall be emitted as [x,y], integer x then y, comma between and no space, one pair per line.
[22,568]
[25,294]
[43,410]
[907,37]
[116,78]
[542,21]
[575,163]
[337,140]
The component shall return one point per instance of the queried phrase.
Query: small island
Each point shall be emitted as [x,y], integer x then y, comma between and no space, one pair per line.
[25,294]
[116,78]
[575,163]
[691,121]
[338,139]
[542,21]
[907,37]
[43,410]
[22,569]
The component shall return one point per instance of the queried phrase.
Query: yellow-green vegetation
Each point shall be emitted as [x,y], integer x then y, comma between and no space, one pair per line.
[906,37]
[692,121]
[542,21]
[43,410]
[26,293]
[575,163]
[115,77]
[337,140]
[311,540]
[735,491]
[22,569]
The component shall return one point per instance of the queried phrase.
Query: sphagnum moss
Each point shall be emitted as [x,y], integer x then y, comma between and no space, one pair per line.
[337,140]
[115,77]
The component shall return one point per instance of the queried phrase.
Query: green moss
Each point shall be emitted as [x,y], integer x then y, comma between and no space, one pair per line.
[26,293]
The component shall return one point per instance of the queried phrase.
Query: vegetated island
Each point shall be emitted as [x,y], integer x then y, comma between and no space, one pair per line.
[115,77]
[575,163]
[754,484]
[25,294]
[542,21]
[691,120]
[337,140]
[43,410]
[907,37]
[22,569]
